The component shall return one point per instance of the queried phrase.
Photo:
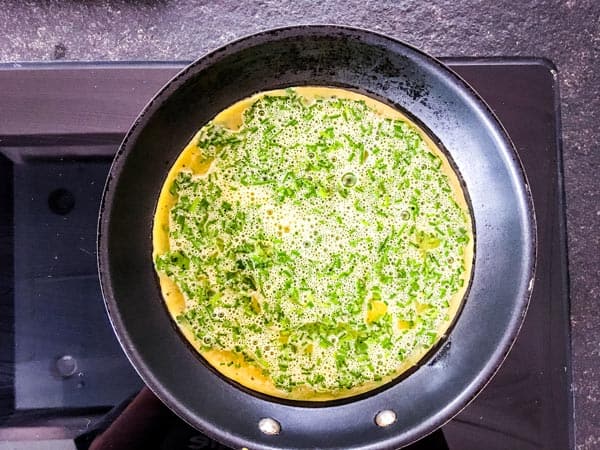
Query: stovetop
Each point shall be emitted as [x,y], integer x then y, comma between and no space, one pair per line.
[63,376]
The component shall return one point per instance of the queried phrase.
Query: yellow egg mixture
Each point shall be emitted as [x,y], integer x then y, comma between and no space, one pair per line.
[312,243]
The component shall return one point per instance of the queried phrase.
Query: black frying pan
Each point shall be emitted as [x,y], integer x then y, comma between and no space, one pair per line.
[390,71]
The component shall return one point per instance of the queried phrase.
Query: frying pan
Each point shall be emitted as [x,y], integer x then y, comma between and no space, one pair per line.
[455,117]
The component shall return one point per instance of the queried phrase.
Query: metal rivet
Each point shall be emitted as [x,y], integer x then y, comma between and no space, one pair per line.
[269,426]
[66,366]
[385,418]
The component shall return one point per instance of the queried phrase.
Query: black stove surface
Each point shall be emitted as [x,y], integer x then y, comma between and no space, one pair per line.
[63,376]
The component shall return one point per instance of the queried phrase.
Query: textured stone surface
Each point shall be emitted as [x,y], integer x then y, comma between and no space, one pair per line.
[567,32]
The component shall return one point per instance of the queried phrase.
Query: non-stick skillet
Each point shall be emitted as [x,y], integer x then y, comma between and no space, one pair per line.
[390,71]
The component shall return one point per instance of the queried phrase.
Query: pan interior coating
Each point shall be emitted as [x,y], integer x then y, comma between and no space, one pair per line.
[312,243]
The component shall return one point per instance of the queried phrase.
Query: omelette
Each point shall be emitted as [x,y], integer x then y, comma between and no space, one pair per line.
[312,243]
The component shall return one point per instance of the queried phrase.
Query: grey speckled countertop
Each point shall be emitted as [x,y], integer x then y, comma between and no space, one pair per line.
[567,32]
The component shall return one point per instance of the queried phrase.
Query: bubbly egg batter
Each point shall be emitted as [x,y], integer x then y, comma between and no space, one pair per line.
[312,243]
